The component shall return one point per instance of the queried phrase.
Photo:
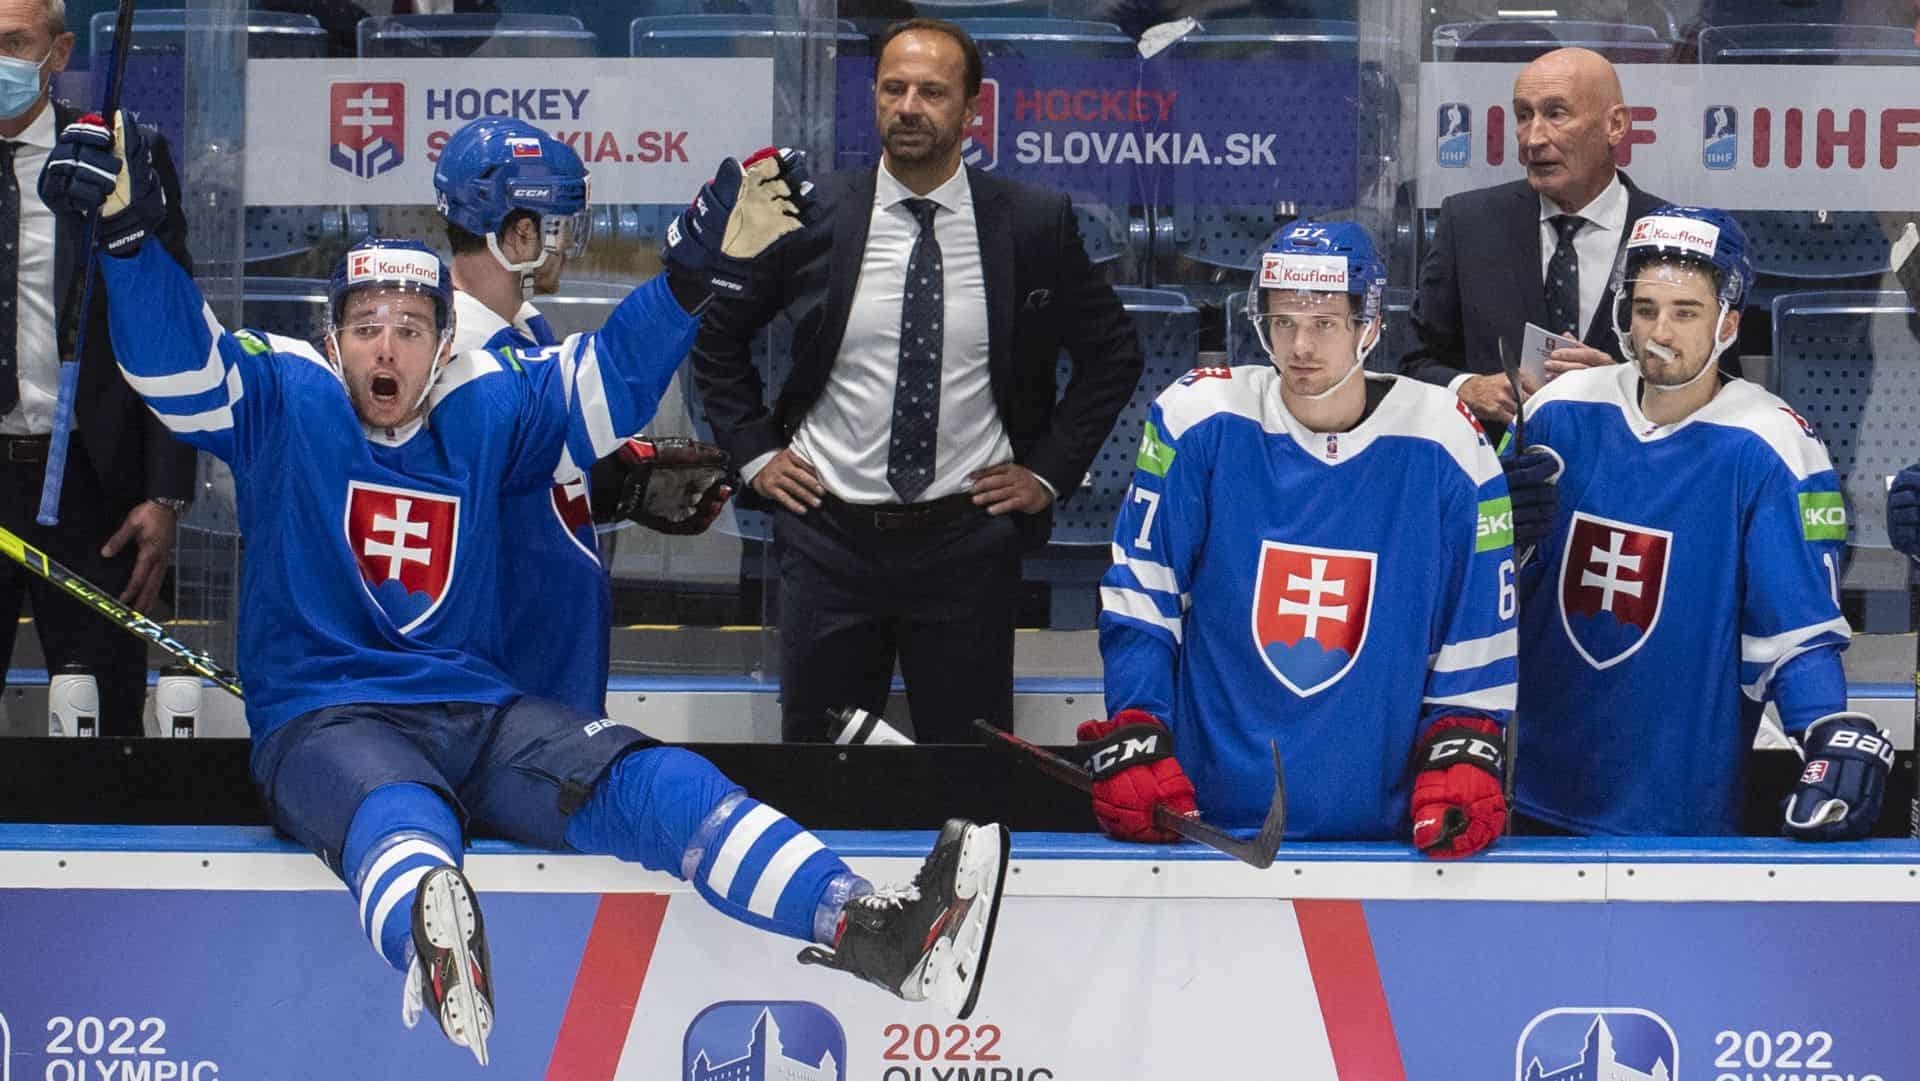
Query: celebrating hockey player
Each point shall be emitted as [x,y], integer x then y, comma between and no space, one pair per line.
[1319,557]
[515,204]
[371,483]
[1690,576]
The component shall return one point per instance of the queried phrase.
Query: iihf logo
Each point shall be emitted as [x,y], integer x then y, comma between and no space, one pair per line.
[764,1041]
[367,128]
[1453,135]
[1584,1043]
[1720,137]
[980,140]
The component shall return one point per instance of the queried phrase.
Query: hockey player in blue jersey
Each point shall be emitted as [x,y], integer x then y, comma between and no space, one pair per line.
[1319,557]
[1690,576]
[515,204]
[371,483]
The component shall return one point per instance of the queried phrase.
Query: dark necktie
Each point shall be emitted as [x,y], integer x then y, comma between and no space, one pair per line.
[9,281]
[1563,278]
[916,391]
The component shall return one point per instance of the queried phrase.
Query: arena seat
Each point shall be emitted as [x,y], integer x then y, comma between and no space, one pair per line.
[475,34]
[1519,41]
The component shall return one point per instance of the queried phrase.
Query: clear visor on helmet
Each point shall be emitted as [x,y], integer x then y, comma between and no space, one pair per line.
[1681,274]
[567,233]
[1280,317]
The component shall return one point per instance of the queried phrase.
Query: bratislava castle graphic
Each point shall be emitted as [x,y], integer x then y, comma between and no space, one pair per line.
[1598,1064]
[766,1060]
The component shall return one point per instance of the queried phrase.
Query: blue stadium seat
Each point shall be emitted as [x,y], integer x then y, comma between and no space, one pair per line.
[475,34]
[1807,43]
[1657,14]
[1518,41]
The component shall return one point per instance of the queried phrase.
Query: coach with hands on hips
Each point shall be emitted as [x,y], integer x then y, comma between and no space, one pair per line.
[917,448]
[126,479]
[1539,249]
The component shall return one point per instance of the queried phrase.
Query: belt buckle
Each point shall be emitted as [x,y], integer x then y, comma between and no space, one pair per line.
[23,451]
[887,521]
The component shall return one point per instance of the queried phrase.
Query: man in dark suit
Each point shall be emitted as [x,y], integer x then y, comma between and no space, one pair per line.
[917,448]
[126,479]
[1537,250]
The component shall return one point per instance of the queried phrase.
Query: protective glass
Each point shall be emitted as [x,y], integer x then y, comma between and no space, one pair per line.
[567,233]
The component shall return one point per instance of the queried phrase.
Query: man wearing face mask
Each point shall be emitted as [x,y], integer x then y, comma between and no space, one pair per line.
[1316,556]
[1690,575]
[126,481]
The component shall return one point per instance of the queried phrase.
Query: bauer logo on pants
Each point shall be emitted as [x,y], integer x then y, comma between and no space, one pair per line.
[367,127]
[1613,578]
[1310,608]
[405,542]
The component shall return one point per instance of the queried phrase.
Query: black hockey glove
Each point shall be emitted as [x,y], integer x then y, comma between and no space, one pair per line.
[674,486]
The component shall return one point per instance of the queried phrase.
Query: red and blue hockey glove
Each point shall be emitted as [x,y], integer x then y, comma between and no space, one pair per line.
[1531,478]
[1134,771]
[1459,807]
[91,168]
[736,216]
[1845,779]
[672,485]
[1903,512]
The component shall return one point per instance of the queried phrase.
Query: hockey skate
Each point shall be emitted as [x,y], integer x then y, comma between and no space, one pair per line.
[928,939]
[450,972]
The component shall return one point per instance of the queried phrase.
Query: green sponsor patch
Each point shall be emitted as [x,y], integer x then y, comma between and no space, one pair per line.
[251,342]
[1496,525]
[1823,516]
[1155,457]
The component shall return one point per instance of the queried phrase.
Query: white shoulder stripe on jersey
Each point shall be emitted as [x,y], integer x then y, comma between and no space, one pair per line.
[1157,576]
[181,384]
[462,369]
[1476,653]
[592,392]
[1237,393]
[295,347]
[1777,648]
[1488,698]
[1137,606]
[211,420]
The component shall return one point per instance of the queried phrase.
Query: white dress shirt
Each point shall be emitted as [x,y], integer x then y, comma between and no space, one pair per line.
[845,435]
[1594,246]
[38,360]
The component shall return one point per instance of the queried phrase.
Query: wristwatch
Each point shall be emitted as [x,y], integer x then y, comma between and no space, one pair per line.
[177,506]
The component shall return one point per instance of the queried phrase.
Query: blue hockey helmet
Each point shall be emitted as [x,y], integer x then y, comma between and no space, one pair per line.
[1702,237]
[1322,257]
[496,165]
[391,263]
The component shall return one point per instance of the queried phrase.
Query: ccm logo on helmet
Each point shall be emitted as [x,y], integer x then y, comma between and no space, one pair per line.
[1106,758]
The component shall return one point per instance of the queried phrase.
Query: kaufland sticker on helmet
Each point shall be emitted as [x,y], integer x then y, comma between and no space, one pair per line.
[1699,237]
[405,267]
[1310,273]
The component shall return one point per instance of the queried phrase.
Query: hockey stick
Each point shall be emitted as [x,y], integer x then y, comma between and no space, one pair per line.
[1257,851]
[1913,615]
[1511,365]
[111,607]
[80,286]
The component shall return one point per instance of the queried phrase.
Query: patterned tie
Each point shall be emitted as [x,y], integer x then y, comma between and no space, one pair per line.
[1563,278]
[916,391]
[9,282]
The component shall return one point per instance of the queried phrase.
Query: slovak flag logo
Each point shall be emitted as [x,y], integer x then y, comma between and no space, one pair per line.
[405,542]
[1613,578]
[570,505]
[980,139]
[367,127]
[1310,612]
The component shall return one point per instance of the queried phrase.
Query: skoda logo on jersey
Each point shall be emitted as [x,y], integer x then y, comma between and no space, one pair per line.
[367,127]
[1613,578]
[576,515]
[1577,1043]
[1310,609]
[405,542]
[1453,135]
[764,1041]
[980,139]
[1720,137]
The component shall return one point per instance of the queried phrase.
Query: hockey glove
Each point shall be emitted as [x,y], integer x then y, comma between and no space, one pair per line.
[1845,778]
[674,486]
[91,169]
[1531,483]
[1458,804]
[1134,771]
[736,216]
[1903,512]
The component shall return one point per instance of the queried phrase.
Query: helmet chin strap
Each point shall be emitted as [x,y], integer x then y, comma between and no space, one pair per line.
[525,270]
[1360,352]
[440,353]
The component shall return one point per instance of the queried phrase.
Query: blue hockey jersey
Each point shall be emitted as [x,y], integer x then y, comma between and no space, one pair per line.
[1335,593]
[556,651]
[1690,576]
[373,557]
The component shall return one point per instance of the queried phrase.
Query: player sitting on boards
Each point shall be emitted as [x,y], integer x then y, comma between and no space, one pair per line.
[1690,576]
[371,482]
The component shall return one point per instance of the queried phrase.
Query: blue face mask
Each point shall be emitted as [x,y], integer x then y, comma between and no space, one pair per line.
[19,85]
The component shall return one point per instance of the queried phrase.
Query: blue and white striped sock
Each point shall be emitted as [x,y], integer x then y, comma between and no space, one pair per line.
[758,866]
[399,834]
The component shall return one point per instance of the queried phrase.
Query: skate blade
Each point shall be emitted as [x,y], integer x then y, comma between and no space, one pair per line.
[466,1017]
[957,966]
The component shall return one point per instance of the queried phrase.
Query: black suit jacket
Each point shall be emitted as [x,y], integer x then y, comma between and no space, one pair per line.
[1043,295]
[1480,282]
[134,455]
